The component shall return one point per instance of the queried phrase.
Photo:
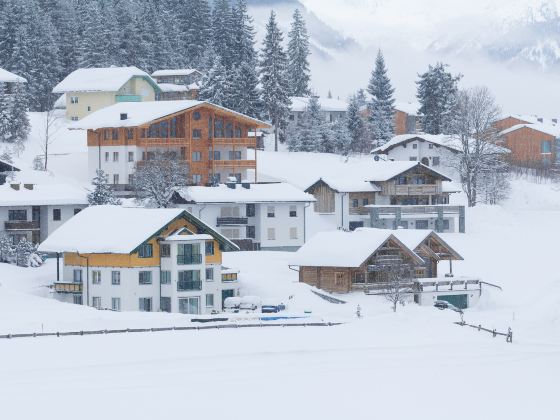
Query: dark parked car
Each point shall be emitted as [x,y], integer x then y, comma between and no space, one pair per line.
[270,308]
[442,304]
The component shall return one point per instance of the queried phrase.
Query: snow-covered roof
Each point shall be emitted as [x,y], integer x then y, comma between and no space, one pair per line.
[340,248]
[543,128]
[41,194]
[103,79]
[410,108]
[184,234]
[350,183]
[60,103]
[531,119]
[439,139]
[300,103]
[413,238]
[116,229]
[171,87]
[257,193]
[176,72]
[9,77]
[139,113]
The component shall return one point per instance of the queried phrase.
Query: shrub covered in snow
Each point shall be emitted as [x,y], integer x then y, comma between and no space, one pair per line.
[23,254]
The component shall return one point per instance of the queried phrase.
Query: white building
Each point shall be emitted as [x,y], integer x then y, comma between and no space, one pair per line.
[332,109]
[137,259]
[178,83]
[35,211]
[267,216]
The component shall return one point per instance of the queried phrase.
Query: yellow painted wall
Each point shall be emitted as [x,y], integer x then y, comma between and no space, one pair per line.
[132,260]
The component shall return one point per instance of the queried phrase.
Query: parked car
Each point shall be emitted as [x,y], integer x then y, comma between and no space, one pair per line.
[442,304]
[250,304]
[231,304]
[272,307]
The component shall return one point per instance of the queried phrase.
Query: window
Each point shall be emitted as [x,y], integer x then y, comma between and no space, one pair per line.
[76,211]
[196,115]
[355,202]
[435,161]
[189,280]
[422,224]
[130,133]
[73,99]
[165,277]
[77,299]
[546,146]
[293,211]
[56,214]
[230,233]
[164,129]
[230,211]
[235,155]
[165,304]
[210,274]
[291,117]
[74,118]
[415,146]
[144,277]
[131,156]
[189,254]
[445,224]
[130,179]
[145,251]
[250,232]
[116,304]
[15,215]
[209,248]
[196,133]
[365,201]
[430,146]
[270,211]
[237,132]
[412,158]
[189,305]
[293,233]
[209,300]
[216,156]
[339,279]
[96,277]
[145,304]
[89,108]
[358,278]
[271,234]
[196,178]
[115,156]
[77,278]
[250,210]
[115,277]
[96,302]
[401,180]
[165,250]
[106,156]
[115,134]
[115,179]
[196,156]
[105,134]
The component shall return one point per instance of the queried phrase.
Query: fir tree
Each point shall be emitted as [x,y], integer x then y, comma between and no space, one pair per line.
[102,192]
[273,78]
[215,87]
[382,104]
[245,92]
[243,36]
[342,137]
[356,127]
[298,57]
[310,132]
[222,32]
[437,93]
[194,24]
[18,127]
[93,42]
[23,252]
[6,249]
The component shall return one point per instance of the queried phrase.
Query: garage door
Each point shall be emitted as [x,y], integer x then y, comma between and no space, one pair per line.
[460,301]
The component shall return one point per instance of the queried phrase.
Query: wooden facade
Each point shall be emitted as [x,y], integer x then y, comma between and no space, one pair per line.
[530,147]
[203,128]
[508,122]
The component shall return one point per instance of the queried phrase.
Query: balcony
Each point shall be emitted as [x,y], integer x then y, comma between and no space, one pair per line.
[235,141]
[189,285]
[189,259]
[22,225]
[417,189]
[162,141]
[67,287]
[235,163]
[229,277]
[128,98]
[231,221]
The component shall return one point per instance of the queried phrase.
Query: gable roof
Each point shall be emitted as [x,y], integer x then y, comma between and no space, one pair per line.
[171,87]
[102,79]
[300,103]
[257,193]
[551,130]
[42,195]
[141,113]
[340,248]
[119,230]
[413,238]
[175,72]
[9,77]
[438,139]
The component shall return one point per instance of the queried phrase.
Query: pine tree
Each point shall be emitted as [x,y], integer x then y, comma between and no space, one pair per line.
[102,192]
[310,134]
[273,78]
[222,32]
[298,57]
[6,249]
[437,93]
[93,42]
[382,104]
[197,32]
[215,88]
[342,137]
[24,251]
[18,121]
[356,127]
[245,92]
[243,36]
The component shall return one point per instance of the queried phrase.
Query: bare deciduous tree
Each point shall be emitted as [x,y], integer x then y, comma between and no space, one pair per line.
[51,124]
[481,167]
[155,179]
[397,288]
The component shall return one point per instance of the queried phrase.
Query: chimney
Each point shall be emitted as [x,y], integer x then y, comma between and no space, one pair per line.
[539,119]
[246,185]
[28,186]
[15,186]
[124,116]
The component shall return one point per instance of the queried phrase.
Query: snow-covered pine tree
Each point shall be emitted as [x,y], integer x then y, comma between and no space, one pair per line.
[342,137]
[381,112]
[273,76]
[298,57]
[6,249]
[243,35]
[244,90]
[24,251]
[194,22]
[215,84]
[356,128]
[93,39]
[18,120]
[5,104]
[222,32]
[102,192]
[437,93]
[310,134]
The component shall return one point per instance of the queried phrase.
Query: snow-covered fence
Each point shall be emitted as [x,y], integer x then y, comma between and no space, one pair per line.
[508,335]
[158,329]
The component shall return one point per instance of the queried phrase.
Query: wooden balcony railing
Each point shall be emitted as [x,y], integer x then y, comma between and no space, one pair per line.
[235,141]
[417,189]
[22,225]
[67,287]
[159,141]
[236,163]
